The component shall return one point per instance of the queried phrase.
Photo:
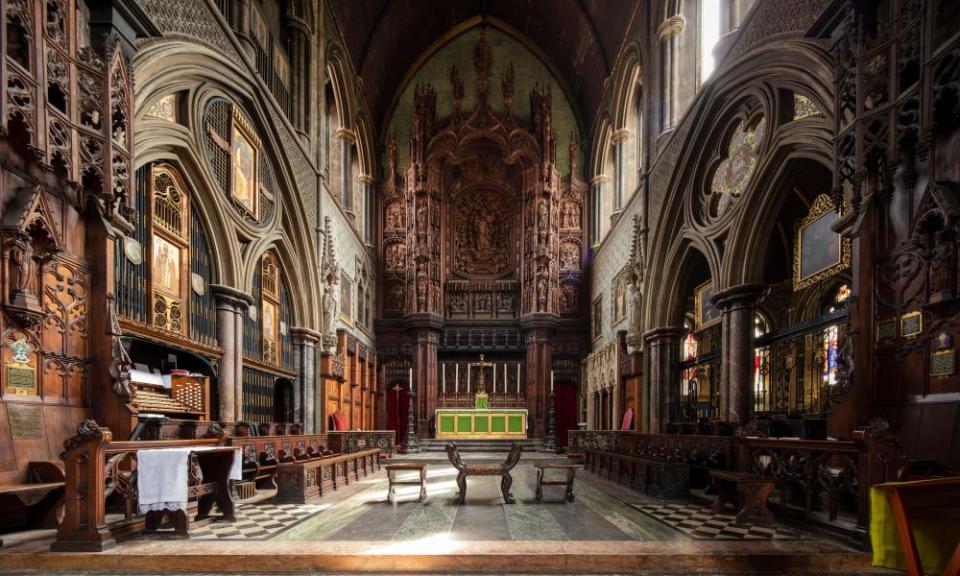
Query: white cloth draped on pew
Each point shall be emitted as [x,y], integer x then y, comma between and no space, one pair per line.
[162,476]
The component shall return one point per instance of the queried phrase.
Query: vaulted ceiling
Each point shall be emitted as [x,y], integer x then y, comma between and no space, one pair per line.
[384,38]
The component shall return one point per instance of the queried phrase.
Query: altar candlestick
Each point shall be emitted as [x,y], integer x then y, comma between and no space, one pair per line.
[444,380]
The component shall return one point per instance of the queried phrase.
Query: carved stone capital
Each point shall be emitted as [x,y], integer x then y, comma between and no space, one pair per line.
[742,296]
[664,333]
[346,135]
[671,26]
[230,296]
[620,136]
[305,335]
[598,180]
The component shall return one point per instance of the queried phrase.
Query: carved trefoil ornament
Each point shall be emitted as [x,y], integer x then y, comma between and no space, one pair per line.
[31,237]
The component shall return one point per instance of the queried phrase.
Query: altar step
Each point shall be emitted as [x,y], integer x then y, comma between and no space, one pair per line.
[434,445]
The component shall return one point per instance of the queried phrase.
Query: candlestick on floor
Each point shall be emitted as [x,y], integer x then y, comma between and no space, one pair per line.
[550,442]
[410,443]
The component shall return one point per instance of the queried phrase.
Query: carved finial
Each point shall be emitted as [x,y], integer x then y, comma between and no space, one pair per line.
[482,63]
[506,85]
[331,272]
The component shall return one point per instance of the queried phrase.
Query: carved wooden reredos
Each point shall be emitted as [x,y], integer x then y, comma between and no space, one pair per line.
[481,224]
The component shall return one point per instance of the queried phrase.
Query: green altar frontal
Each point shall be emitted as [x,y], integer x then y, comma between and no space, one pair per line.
[464,424]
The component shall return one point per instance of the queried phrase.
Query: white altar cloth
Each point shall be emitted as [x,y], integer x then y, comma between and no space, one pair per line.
[162,476]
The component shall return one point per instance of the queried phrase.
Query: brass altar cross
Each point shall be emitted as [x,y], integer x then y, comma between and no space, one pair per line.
[482,364]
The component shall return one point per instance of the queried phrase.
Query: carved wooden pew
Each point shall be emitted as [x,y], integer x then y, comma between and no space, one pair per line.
[97,468]
[262,454]
[305,481]
[39,500]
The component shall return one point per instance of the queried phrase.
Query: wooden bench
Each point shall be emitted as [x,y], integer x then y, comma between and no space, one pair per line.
[570,471]
[38,501]
[746,490]
[392,481]
[502,470]
[303,482]
[652,477]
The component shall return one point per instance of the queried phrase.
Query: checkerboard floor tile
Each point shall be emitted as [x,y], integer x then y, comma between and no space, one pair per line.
[701,523]
[257,522]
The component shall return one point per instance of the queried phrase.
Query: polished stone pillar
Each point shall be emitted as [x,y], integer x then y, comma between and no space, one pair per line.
[231,303]
[669,35]
[738,307]
[596,200]
[305,359]
[663,383]
[366,219]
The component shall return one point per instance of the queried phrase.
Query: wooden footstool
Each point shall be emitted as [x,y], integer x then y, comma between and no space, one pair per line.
[422,481]
[753,491]
[570,469]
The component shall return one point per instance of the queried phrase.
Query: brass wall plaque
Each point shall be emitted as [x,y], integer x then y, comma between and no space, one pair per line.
[21,380]
[26,421]
[942,363]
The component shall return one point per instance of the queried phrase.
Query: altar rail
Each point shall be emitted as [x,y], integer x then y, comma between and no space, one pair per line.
[96,467]
[833,469]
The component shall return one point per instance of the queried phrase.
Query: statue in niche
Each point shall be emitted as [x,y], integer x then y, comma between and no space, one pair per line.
[482,229]
[505,302]
[396,296]
[458,303]
[396,256]
[421,218]
[568,257]
[482,303]
[22,264]
[568,297]
[422,289]
[329,303]
[541,293]
[943,267]
[394,215]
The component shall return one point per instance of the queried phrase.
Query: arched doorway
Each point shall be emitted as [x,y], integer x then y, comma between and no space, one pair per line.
[283,406]
[565,410]
[398,404]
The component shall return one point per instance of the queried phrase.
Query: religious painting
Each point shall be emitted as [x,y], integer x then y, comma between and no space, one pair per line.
[346,298]
[820,252]
[269,315]
[244,170]
[166,266]
[707,313]
[598,317]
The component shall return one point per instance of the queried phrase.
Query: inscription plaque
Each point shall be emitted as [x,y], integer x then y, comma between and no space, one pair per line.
[26,421]
[21,380]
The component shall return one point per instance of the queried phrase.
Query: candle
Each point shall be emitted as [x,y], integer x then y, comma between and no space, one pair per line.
[456,379]
[551,381]
[444,381]
[411,380]
[468,379]
[494,378]
[506,381]
[518,378]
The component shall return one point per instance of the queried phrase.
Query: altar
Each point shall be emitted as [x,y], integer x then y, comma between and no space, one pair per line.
[481,424]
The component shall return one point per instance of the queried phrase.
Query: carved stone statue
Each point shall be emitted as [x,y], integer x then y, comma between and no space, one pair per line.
[943,267]
[21,266]
[329,302]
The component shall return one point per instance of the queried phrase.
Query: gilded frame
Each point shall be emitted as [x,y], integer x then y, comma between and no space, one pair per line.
[701,294]
[821,207]
[909,317]
[240,128]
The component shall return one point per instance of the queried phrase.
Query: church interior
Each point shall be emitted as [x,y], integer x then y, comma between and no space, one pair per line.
[480,286]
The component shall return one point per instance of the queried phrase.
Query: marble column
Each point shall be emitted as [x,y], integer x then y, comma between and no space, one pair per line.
[669,35]
[231,304]
[618,138]
[366,220]
[596,196]
[663,383]
[738,307]
[346,140]
[305,398]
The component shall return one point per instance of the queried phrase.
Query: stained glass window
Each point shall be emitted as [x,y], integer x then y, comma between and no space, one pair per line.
[804,107]
[828,352]
[734,172]
[761,368]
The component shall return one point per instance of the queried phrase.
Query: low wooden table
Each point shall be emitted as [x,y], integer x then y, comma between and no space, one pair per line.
[753,490]
[570,469]
[422,481]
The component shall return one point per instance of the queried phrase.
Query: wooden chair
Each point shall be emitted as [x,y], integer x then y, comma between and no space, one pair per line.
[502,470]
